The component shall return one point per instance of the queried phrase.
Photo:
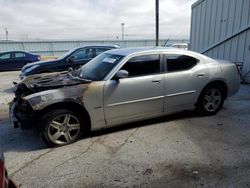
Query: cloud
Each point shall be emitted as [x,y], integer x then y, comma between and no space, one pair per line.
[93,19]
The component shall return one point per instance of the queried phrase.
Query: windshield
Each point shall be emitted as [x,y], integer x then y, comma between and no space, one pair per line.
[66,54]
[99,67]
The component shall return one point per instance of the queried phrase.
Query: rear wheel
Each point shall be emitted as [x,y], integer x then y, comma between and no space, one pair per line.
[211,100]
[61,127]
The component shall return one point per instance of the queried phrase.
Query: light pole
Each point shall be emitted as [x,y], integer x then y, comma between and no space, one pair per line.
[6,33]
[122,30]
[156,22]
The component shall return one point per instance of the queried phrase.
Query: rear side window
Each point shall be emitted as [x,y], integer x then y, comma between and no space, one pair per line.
[83,54]
[180,62]
[143,65]
[100,50]
[19,54]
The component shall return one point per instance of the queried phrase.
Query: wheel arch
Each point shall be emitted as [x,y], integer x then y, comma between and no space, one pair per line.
[199,107]
[73,106]
[218,83]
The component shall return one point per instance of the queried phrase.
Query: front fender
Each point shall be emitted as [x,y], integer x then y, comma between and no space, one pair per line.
[41,100]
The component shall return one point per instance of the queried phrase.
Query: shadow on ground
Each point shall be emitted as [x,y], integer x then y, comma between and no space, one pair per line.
[30,140]
[18,140]
[9,90]
[150,122]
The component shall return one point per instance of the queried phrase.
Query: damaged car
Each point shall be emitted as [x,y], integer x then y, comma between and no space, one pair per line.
[121,86]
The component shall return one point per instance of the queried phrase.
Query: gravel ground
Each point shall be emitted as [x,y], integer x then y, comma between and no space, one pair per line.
[180,150]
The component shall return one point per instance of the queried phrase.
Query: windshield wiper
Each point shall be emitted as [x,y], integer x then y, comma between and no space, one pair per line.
[76,77]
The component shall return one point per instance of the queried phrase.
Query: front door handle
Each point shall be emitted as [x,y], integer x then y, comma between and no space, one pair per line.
[157,80]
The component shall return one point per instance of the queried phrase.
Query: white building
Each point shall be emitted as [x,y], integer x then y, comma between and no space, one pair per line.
[221,30]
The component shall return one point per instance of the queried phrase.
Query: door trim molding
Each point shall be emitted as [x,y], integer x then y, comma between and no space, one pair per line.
[181,93]
[134,101]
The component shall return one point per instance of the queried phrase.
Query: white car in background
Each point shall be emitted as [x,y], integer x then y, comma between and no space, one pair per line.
[183,46]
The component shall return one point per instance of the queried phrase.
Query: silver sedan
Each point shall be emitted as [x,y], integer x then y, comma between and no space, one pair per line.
[121,86]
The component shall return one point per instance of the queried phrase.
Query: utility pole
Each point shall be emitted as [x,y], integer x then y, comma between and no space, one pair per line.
[6,33]
[122,30]
[156,22]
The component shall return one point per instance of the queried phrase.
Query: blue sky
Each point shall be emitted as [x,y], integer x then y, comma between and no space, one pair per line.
[93,19]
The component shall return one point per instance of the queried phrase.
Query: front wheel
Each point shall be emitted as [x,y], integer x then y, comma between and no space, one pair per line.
[61,127]
[211,100]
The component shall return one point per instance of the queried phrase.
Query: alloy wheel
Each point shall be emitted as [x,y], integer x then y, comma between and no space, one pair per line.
[212,99]
[64,129]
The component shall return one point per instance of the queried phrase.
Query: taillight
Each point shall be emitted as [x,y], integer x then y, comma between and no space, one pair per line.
[2,175]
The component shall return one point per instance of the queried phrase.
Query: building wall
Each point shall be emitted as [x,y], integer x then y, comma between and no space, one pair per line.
[221,29]
[57,48]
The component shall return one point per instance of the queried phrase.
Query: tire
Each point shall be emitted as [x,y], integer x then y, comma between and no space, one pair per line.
[211,100]
[61,127]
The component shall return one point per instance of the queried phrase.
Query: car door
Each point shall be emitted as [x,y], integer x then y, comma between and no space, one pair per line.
[5,62]
[184,79]
[81,57]
[19,59]
[139,96]
[75,60]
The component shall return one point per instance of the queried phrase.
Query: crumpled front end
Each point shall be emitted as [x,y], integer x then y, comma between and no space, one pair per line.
[37,92]
[21,113]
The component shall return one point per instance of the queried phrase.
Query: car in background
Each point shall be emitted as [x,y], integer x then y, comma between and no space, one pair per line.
[15,60]
[5,182]
[183,46]
[121,86]
[74,58]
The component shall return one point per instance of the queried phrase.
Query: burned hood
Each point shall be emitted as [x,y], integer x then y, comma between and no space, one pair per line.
[45,81]
[49,80]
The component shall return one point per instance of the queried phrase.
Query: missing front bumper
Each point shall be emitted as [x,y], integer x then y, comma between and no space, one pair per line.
[21,115]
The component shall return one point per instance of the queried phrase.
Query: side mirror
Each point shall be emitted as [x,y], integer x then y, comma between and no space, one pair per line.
[121,74]
[71,59]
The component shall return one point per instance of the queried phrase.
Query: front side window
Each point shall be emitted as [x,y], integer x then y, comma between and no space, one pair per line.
[180,62]
[83,54]
[19,54]
[143,65]
[5,56]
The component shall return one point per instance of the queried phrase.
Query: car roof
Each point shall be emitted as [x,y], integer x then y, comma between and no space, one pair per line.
[14,52]
[94,46]
[129,51]
[99,45]
[179,44]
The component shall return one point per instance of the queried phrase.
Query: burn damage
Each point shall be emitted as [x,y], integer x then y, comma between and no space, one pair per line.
[42,82]
[39,91]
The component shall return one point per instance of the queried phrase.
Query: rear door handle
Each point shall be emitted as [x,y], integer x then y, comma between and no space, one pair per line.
[201,74]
